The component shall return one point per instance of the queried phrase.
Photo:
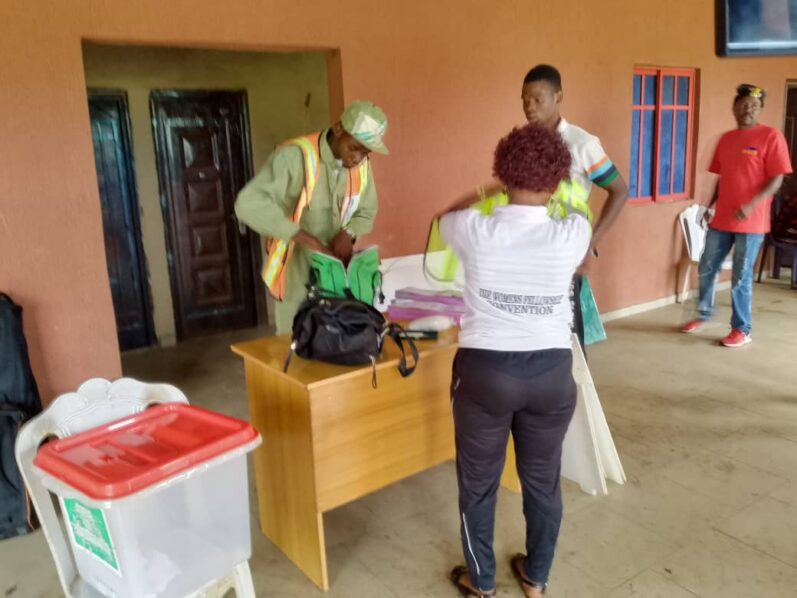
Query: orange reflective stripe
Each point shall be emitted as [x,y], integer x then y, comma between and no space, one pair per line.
[278,251]
[312,156]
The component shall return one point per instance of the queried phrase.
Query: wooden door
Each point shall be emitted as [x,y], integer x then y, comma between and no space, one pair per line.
[113,157]
[202,147]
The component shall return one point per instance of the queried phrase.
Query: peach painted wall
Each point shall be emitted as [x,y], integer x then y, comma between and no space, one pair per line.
[447,73]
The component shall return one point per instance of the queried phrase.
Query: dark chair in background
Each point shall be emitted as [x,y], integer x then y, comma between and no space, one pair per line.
[783,237]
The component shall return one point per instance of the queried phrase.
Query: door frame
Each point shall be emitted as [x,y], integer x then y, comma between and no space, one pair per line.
[170,231]
[791,84]
[120,97]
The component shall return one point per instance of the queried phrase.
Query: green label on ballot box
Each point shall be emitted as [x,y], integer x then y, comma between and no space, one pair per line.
[90,531]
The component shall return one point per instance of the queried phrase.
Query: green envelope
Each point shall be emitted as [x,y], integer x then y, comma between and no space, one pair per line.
[593,326]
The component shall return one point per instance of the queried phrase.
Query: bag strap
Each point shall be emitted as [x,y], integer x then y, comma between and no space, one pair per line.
[291,351]
[314,290]
[399,335]
[376,283]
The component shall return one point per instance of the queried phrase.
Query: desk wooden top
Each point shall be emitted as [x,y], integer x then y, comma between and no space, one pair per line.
[270,352]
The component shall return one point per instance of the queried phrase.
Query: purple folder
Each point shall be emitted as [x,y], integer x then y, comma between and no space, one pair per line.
[425,295]
[398,313]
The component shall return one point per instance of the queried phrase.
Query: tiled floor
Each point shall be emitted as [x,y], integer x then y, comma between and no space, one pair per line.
[708,437]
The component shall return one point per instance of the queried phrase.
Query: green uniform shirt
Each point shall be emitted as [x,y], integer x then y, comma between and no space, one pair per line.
[267,203]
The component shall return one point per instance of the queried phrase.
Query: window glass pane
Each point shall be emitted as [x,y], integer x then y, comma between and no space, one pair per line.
[650,90]
[679,182]
[665,151]
[683,91]
[637,89]
[668,90]
[646,182]
[633,186]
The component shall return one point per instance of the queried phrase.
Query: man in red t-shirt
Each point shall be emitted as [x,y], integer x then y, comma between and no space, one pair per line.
[750,161]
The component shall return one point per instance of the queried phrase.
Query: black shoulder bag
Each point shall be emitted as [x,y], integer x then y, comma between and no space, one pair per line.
[19,402]
[345,331]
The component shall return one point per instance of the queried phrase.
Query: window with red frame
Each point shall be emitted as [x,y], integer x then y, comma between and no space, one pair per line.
[662,131]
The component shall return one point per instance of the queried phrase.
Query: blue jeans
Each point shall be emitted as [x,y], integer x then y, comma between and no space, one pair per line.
[718,245]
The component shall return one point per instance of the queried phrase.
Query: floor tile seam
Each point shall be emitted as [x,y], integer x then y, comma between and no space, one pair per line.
[652,530]
[671,538]
[636,573]
[376,575]
[755,549]
[720,500]
[757,466]
[652,570]
[780,500]
[605,588]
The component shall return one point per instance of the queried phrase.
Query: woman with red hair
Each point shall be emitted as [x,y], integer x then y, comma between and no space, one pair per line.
[513,369]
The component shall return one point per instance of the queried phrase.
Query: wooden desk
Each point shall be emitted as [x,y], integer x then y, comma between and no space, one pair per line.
[329,437]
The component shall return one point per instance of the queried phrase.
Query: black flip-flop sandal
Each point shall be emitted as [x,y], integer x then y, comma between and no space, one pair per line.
[466,591]
[516,564]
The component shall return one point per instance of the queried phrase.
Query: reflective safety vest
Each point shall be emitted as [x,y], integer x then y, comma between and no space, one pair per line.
[441,264]
[279,252]
[570,198]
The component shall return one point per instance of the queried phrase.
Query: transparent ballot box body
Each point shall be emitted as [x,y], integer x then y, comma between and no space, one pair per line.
[156,504]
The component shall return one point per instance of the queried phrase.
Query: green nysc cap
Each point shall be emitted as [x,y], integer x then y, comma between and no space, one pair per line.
[366,122]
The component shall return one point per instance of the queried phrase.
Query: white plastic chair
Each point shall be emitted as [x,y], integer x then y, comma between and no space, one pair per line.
[97,401]
[691,220]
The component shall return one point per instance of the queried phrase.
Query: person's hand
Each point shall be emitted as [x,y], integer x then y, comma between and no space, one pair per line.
[708,214]
[342,246]
[307,240]
[744,212]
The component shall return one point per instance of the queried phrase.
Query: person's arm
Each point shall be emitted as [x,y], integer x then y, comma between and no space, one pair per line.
[582,241]
[467,200]
[618,196]
[602,172]
[769,190]
[454,226]
[714,195]
[605,175]
[778,164]
[714,167]
[311,242]
[708,214]
[267,202]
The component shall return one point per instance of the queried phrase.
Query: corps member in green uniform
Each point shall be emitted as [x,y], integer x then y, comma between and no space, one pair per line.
[334,219]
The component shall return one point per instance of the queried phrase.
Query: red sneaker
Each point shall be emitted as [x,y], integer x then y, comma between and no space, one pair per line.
[736,338]
[692,326]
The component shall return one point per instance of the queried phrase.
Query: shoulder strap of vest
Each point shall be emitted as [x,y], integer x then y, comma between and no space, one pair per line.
[363,175]
[310,145]
[311,153]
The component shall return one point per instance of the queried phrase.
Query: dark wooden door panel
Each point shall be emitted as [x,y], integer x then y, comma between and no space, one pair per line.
[113,158]
[203,157]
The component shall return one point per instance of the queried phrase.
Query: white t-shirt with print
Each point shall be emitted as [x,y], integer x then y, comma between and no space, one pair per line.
[518,266]
[590,164]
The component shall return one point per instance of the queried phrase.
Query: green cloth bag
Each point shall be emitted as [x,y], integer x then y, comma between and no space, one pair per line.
[360,279]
